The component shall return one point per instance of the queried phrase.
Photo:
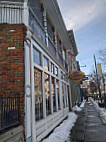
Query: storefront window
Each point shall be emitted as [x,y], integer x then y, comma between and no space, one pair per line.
[57,87]
[38,94]
[45,63]
[47,94]
[53,94]
[56,71]
[36,56]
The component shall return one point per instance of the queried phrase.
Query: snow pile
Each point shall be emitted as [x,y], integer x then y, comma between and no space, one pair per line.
[61,133]
[103,114]
[82,104]
[101,111]
[76,108]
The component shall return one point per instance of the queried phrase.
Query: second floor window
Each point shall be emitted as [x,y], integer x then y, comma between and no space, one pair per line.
[52,68]
[37,8]
[56,71]
[45,63]
[37,57]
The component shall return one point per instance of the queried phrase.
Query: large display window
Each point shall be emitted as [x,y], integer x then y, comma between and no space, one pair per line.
[51,87]
[38,94]
[53,94]
[47,94]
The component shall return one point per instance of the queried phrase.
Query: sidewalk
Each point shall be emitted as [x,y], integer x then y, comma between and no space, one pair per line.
[88,127]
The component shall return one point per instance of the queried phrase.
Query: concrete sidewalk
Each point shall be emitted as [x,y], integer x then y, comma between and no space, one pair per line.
[89,126]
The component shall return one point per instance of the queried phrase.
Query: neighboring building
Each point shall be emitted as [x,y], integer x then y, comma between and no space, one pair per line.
[73,65]
[93,87]
[35,93]
[103,84]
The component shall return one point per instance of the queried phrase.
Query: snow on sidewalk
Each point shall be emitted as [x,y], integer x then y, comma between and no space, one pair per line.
[61,133]
[101,111]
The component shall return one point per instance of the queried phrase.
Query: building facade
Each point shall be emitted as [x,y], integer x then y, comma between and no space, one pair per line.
[73,65]
[34,84]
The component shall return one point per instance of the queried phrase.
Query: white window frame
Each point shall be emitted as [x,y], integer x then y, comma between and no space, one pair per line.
[40,67]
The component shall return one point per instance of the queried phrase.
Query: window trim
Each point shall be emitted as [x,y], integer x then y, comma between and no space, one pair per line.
[50,60]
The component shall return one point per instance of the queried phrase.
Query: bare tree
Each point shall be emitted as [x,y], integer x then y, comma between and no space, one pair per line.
[102,54]
[95,82]
[93,87]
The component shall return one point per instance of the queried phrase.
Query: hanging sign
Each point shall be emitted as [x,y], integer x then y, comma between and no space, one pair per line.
[76,76]
[99,68]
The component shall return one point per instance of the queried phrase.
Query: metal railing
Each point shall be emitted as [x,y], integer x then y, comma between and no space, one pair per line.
[39,29]
[36,25]
[56,54]
[12,14]
[51,47]
[9,112]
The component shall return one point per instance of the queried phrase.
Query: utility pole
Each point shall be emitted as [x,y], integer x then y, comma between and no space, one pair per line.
[98,83]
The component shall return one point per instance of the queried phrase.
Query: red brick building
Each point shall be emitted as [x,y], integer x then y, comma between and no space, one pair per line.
[12,79]
[35,93]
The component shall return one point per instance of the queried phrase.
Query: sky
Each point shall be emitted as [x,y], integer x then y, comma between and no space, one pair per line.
[87,18]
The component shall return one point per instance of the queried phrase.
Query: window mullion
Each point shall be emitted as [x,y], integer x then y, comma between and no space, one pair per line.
[60,91]
[44,97]
[56,95]
[50,83]
[51,97]
[66,97]
[65,94]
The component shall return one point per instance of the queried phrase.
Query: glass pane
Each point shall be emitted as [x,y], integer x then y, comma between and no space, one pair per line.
[57,87]
[52,68]
[61,75]
[53,94]
[64,54]
[56,71]
[62,87]
[36,56]
[38,94]
[66,95]
[45,63]
[47,94]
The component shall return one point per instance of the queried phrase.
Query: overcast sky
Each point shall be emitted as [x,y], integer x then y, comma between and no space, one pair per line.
[88,20]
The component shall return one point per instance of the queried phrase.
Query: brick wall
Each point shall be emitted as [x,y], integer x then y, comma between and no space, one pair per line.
[12,62]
